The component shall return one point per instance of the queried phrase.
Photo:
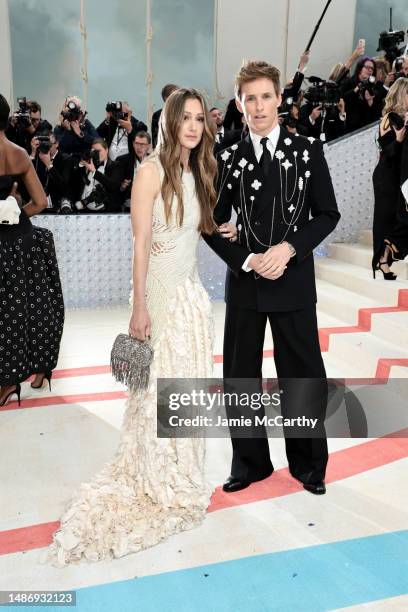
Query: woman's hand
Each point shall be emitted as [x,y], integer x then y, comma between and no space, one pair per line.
[228,230]
[14,192]
[140,326]
[400,134]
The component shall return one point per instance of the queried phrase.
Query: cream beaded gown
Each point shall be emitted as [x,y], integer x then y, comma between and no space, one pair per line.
[153,487]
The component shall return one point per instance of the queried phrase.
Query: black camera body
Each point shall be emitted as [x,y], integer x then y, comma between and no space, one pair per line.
[23,114]
[116,108]
[389,42]
[91,155]
[323,93]
[367,85]
[285,112]
[72,113]
[45,143]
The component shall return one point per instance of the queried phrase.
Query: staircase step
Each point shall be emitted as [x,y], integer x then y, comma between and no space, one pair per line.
[366,237]
[358,280]
[361,255]
[342,303]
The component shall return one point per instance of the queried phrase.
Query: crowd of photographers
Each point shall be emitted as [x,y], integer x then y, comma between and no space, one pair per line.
[88,169]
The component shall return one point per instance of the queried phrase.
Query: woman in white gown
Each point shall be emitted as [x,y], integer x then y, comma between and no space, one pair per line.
[155,487]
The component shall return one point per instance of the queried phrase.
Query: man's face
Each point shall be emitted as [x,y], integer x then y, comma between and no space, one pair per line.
[404,67]
[103,153]
[260,104]
[367,70]
[127,110]
[217,116]
[35,118]
[140,146]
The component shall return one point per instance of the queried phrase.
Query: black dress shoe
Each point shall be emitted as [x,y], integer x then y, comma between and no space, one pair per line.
[236,483]
[318,488]
[233,484]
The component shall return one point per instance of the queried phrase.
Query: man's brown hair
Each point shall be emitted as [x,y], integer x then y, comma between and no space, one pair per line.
[258,69]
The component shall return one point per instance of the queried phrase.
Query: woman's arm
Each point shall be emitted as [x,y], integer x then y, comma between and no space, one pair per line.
[37,194]
[145,188]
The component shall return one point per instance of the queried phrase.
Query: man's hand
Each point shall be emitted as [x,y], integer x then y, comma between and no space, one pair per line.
[126,124]
[89,166]
[304,60]
[45,158]
[274,262]
[369,98]
[35,143]
[341,106]
[125,184]
[76,127]
[255,262]
[315,114]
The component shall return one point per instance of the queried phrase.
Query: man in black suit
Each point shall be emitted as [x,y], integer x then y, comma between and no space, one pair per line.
[223,138]
[280,187]
[165,92]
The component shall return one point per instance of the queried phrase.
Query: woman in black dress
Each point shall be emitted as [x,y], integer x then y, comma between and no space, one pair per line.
[387,179]
[31,303]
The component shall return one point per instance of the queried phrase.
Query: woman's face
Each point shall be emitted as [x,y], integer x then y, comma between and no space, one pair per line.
[367,70]
[192,127]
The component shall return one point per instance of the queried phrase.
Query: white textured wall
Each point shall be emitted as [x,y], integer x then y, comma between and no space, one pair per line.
[278,31]
[6,79]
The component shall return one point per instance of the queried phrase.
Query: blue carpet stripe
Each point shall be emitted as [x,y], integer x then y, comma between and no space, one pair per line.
[311,579]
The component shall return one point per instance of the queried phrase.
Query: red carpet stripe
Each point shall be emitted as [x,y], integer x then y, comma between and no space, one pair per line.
[343,464]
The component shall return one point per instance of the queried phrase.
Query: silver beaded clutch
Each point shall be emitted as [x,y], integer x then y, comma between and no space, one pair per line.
[130,361]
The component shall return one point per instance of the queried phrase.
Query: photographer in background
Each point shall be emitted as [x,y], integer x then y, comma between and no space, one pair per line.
[119,128]
[54,169]
[363,95]
[399,70]
[165,93]
[223,138]
[139,148]
[324,119]
[75,134]
[100,178]
[25,123]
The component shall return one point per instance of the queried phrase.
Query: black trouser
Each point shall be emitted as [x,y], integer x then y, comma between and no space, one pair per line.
[297,356]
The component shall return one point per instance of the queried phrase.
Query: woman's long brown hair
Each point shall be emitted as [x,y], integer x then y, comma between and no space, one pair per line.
[202,161]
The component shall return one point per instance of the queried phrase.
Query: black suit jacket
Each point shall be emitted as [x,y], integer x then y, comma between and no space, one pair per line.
[155,126]
[230,137]
[298,194]
[110,180]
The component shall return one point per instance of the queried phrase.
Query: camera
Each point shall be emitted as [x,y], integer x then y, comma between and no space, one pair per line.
[322,93]
[23,113]
[72,112]
[91,155]
[389,42]
[367,85]
[45,143]
[116,109]
[285,112]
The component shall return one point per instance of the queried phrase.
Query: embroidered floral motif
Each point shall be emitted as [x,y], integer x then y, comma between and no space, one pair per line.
[256,185]
[311,139]
[252,198]
[305,156]
[291,208]
[300,183]
[225,155]
[295,228]
[229,166]
[307,173]
[295,153]
[286,164]
[251,167]
[229,186]
[287,141]
[236,173]
[238,210]
[234,147]
[243,162]
[279,155]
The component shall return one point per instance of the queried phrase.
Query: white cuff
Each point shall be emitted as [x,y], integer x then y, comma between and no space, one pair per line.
[245,266]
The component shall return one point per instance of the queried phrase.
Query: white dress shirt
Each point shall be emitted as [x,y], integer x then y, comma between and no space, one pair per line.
[119,145]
